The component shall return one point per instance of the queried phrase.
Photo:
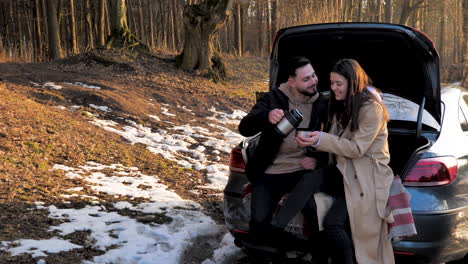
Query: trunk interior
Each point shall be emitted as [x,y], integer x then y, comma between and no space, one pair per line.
[403,148]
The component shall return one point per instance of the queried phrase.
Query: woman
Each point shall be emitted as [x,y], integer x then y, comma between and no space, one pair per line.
[358,143]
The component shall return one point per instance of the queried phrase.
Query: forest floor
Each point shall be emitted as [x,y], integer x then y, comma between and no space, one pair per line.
[47,110]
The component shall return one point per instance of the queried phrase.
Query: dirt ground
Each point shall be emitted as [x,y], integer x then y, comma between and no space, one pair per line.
[36,134]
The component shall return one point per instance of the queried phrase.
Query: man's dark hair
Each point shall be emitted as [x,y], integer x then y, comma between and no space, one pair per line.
[294,63]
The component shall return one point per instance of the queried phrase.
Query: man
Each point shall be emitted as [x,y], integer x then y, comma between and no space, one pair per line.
[278,162]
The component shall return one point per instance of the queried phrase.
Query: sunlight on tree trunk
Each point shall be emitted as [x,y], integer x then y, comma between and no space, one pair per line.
[121,36]
[201,22]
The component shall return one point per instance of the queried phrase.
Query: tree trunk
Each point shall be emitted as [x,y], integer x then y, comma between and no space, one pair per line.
[244,23]
[20,31]
[53,30]
[171,26]
[407,10]
[441,40]
[73,27]
[360,11]
[89,25]
[259,26]
[267,26]
[201,22]
[274,18]
[237,29]
[121,36]
[388,11]
[379,10]
[465,43]
[37,17]
[349,10]
[30,35]
[151,23]
[142,27]
[175,25]
[102,22]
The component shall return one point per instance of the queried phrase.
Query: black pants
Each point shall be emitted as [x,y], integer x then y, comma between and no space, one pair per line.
[337,235]
[268,189]
[330,181]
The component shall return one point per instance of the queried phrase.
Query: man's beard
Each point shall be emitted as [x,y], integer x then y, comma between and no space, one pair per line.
[307,93]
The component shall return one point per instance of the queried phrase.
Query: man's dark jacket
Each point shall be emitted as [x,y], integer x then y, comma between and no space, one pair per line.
[270,141]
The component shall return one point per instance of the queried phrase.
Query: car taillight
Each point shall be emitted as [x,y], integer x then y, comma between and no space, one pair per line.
[424,34]
[432,172]
[236,161]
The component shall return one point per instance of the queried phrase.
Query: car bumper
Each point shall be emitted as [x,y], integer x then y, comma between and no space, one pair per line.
[441,237]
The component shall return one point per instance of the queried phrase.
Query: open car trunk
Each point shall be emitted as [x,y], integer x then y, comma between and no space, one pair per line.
[401,62]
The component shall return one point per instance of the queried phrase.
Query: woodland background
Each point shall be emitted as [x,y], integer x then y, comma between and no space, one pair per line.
[83,25]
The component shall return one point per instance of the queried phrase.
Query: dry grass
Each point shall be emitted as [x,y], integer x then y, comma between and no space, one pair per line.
[35,135]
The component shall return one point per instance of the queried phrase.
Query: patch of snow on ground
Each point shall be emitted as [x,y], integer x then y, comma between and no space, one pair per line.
[155,117]
[225,118]
[101,108]
[134,242]
[85,85]
[174,144]
[52,85]
[165,111]
[38,248]
[226,253]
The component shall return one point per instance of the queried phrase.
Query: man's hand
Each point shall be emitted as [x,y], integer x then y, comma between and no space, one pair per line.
[275,115]
[309,163]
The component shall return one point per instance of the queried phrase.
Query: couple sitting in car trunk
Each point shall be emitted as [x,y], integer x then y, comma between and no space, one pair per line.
[349,162]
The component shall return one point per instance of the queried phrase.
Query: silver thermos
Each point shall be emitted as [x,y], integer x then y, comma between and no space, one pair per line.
[289,122]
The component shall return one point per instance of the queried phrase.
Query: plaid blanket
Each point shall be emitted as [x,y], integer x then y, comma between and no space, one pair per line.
[398,203]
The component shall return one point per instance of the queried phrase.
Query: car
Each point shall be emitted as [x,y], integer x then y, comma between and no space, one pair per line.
[428,133]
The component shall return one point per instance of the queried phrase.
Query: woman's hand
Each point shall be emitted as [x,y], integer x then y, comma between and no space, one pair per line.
[309,163]
[311,138]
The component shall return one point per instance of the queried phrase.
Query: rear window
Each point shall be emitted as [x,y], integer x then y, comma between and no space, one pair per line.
[401,109]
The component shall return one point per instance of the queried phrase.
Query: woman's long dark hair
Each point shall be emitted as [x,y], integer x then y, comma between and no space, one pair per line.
[348,110]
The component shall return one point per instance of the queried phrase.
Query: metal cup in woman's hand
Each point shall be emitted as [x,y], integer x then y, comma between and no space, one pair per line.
[303,132]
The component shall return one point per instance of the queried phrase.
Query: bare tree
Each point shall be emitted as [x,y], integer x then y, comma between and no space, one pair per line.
[102,22]
[239,23]
[53,30]
[388,11]
[201,22]
[89,24]
[407,9]
[121,35]
[237,29]
[73,27]
[38,40]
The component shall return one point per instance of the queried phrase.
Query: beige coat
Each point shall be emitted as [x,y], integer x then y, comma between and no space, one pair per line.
[362,157]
